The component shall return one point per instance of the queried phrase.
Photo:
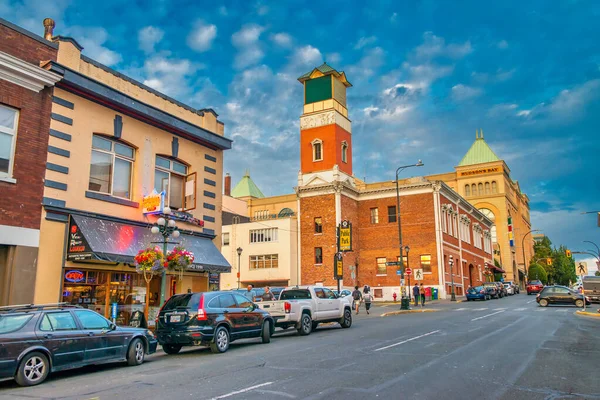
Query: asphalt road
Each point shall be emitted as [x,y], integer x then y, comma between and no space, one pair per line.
[499,349]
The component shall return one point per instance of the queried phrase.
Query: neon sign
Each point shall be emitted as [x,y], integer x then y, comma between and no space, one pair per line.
[74,276]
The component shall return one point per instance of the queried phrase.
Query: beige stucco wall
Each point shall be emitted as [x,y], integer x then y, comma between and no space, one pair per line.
[273,205]
[235,206]
[50,261]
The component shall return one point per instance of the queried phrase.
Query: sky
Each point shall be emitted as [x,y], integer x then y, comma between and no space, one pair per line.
[425,74]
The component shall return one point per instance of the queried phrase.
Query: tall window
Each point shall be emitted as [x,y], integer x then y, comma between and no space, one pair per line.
[264,261]
[111,167]
[318,255]
[374,215]
[317,150]
[381,267]
[480,188]
[467,190]
[344,152]
[391,213]
[265,235]
[8,135]
[494,187]
[318,225]
[225,238]
[170,176]
[426,262]
[474,190]
[487,188]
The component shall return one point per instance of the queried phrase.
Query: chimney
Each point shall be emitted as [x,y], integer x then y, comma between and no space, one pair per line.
[227,184]
[48,28]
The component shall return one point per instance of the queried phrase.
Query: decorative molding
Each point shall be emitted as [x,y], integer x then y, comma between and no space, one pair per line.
[325,118]
[118,126]
[209,182]
[57,168]
[63,102]
[210,158]
[111,199]
[210,170]
[24,74]
[209,206]
[59,151]
[55,185]
[48,201]
[60,135]
[62,118]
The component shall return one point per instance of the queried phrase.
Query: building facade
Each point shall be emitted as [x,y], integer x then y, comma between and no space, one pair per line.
[25,107]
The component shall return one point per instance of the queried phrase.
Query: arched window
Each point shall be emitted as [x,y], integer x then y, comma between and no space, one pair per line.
[490,215]
[480,188]
[317,145]
[494,187]
[286,212]
[487,188]
[344,151]
[467,190]
[474,190]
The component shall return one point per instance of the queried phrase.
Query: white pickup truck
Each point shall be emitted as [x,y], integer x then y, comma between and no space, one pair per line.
[305,307]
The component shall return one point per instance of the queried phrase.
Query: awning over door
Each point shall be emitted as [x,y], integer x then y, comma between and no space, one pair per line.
[104,240]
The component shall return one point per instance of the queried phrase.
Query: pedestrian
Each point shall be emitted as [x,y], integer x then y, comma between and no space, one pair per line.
[356,296]
[249,294]
[267,296]
[416,293]
[422,295]
[368,298]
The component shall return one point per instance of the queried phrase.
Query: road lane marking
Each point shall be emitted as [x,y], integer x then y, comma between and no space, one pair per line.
[461,309]
[407,340]
[530,301]
[500,309]
[480,309]
[242,391]
[488,315]
[541,309]
[520,309]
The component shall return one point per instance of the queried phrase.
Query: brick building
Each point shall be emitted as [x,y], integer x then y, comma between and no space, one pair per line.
[25,107]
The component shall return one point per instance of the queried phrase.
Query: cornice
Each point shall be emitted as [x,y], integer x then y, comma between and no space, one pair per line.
[24,74]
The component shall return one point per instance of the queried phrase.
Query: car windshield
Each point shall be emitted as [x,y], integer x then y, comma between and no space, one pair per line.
[475,289]
[11,323]
[295,294]
[535,283]
[188,300]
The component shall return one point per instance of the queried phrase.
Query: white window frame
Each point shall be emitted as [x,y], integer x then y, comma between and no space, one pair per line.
[114,155]
[264,235]
[8,176]
[314,149]
[374,215]
[226,242]
[344,151]
[265,258]
[377,272]
[171,171]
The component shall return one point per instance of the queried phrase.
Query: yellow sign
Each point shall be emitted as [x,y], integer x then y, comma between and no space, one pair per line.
[340,268]
[153,203]
[345,236]
[480,171]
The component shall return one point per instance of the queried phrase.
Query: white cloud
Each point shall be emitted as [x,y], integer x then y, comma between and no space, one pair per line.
[333,58]
[523,113]
[434,46]
[92,39]
[149,37]
[246,40]
[282,39]
[462,92]
[364,41]
[368,64]
[248,35]
[202,36]
[170,76]
[308,56]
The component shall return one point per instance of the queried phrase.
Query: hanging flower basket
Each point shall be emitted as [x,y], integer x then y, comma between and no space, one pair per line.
[150,262]
[179,259]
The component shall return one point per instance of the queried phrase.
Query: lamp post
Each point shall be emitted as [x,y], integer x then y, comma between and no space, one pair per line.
[398,170]
[239,251]
[166,227]
[523,248]
[407,249]
[452,294]
[597,255]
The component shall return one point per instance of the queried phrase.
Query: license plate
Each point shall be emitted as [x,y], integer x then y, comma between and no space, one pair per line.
[175,318]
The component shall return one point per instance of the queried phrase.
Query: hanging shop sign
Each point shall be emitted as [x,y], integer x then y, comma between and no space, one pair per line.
[153,203]
[183,216]
[345,236]
[74,276]
[78,248]
[338,266]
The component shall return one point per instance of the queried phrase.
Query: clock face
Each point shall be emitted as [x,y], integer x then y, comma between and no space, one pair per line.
[488,213]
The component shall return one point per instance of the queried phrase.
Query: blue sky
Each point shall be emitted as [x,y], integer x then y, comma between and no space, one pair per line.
[426,75]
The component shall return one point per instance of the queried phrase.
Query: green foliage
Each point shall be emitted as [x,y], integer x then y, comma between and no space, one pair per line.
[497,263]
[537,272]
[564,267]
[598,273]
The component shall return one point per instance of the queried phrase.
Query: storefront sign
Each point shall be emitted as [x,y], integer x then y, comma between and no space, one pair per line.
[78,248]
[74,276]
[214,278]
[480,171]
[153,203]
[185,217]
[345,236]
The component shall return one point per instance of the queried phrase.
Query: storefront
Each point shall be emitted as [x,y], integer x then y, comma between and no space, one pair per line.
[99,273]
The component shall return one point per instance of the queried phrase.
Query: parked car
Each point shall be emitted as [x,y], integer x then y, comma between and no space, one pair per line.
[510,289]
[477,293]
[534,287]
[343,293]
[492,290]
[515,286]
[501,289]
[254,295]
[305,307]
[560,295]
[213,319]
[38,339]
[276,292]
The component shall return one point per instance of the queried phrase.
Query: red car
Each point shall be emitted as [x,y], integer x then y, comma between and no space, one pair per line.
[534,287]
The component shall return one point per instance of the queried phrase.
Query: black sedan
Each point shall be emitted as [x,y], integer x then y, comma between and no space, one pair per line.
[38,339]
[560,295]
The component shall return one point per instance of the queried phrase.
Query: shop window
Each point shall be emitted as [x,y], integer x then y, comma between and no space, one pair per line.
[381,267]
[467,190]
[494,187]
[318,225]
[487,188]
[318,255]
[111,167]
[91,320]
[344,152]
[374,215]
[426,263]
[8,137]
[172,177]
[317,146]
[391,213]
[225,238]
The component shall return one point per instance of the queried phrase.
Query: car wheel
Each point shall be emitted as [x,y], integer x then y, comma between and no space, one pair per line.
[266,332]
[136,352]
[305,325]
[33,369]
[579,303]
[543,302]
[171,348]
[220,342]
[346,321]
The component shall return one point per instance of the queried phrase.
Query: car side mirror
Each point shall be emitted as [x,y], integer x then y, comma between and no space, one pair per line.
[112,326]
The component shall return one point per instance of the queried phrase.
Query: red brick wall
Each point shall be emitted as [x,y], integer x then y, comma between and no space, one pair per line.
[20,203]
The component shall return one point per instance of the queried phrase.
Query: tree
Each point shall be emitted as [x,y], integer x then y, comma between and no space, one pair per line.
[542,251]
[597,273]
[563,267]
[537,272]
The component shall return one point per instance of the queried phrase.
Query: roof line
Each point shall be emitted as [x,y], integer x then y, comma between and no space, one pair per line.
[25,32]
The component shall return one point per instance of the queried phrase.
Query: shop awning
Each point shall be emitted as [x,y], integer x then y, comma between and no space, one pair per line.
[496,269]
[104,240]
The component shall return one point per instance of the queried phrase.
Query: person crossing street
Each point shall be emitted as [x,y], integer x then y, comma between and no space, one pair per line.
[356,296]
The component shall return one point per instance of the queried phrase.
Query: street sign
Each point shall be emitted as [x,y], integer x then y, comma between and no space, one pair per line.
[392,263]
[345,236]
[419,274]
[338,266]
[398,272]
[408,271]
[582,268]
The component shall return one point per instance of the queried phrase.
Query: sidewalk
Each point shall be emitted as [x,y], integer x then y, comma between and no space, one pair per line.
[412,304]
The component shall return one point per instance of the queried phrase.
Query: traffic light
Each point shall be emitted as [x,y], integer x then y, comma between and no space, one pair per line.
[548,261]
[568,253]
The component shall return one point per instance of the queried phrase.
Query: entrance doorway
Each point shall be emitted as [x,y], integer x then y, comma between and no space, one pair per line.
[471,275]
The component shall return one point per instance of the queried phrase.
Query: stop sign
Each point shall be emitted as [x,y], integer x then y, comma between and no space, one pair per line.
[408,271]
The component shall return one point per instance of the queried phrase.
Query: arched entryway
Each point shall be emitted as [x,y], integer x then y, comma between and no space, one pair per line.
[471,275]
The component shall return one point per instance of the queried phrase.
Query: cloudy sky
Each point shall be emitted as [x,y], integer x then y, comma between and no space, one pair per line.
[426,75]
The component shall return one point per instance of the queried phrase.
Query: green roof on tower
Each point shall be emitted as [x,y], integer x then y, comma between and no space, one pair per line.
[322,70]
[246,188]
[479,153]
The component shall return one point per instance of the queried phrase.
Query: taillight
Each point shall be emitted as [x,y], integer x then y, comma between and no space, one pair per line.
[287,307]
[201,313]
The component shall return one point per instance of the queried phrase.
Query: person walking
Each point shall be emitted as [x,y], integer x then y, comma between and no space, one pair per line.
[356,296]
[416,293]
[267,296]
[422,294]
[368,298]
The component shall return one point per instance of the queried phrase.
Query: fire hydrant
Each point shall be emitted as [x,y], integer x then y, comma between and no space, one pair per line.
[394,296]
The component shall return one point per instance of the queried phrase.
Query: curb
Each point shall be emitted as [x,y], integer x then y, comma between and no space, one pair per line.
[429,310]
[588,314]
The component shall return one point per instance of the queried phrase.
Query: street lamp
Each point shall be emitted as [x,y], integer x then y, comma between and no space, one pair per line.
[398,170]
[597,249]
[523,248]
[407,249]
[452,294]
[167,228]
[239,251]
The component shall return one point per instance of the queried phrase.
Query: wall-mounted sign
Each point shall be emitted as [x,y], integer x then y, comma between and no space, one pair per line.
[153,203]
[185,217]
[78,248]
[480,171]
[74,276]
[338,266]
[345,236]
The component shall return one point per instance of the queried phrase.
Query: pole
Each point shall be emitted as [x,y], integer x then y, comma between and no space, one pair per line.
[163,280]
[452,294]
[337,246]
[239,268]
[402,294]
[523,248]
[408,266]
